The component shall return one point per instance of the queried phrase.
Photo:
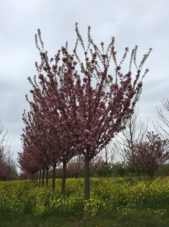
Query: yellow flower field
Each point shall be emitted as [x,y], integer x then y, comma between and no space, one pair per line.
[108,195]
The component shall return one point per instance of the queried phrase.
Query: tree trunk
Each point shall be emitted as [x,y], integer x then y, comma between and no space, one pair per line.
[47,170]
[36,177]
[151,174]
[40,175]
[53,177]
[31,177]
[64,178]
[43,176]
[87,179]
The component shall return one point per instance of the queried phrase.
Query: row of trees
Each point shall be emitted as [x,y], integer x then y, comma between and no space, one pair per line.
[80,100]
[143,153]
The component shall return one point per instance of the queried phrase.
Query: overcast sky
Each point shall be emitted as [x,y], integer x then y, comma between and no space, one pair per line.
[145,23]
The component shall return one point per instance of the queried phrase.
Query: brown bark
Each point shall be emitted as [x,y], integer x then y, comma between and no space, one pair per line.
[40,175]
[36,177]
[63,178]
[53,177]
[87,179]
[47,171]
[43,176]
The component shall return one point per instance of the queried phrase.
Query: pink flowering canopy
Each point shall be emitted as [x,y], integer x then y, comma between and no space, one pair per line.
[92,98]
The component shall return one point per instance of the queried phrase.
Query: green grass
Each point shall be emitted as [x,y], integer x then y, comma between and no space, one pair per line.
[114,202]
[135,218]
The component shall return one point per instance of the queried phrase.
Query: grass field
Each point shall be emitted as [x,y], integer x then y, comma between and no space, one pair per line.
[114,202]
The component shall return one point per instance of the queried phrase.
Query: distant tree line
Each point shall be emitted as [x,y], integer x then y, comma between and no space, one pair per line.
[7,166]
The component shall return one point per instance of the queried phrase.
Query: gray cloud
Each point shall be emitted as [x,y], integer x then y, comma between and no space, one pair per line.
[131,22]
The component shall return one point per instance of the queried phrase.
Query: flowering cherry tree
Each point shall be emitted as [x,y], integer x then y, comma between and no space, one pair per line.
[151,153]
[88,95]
